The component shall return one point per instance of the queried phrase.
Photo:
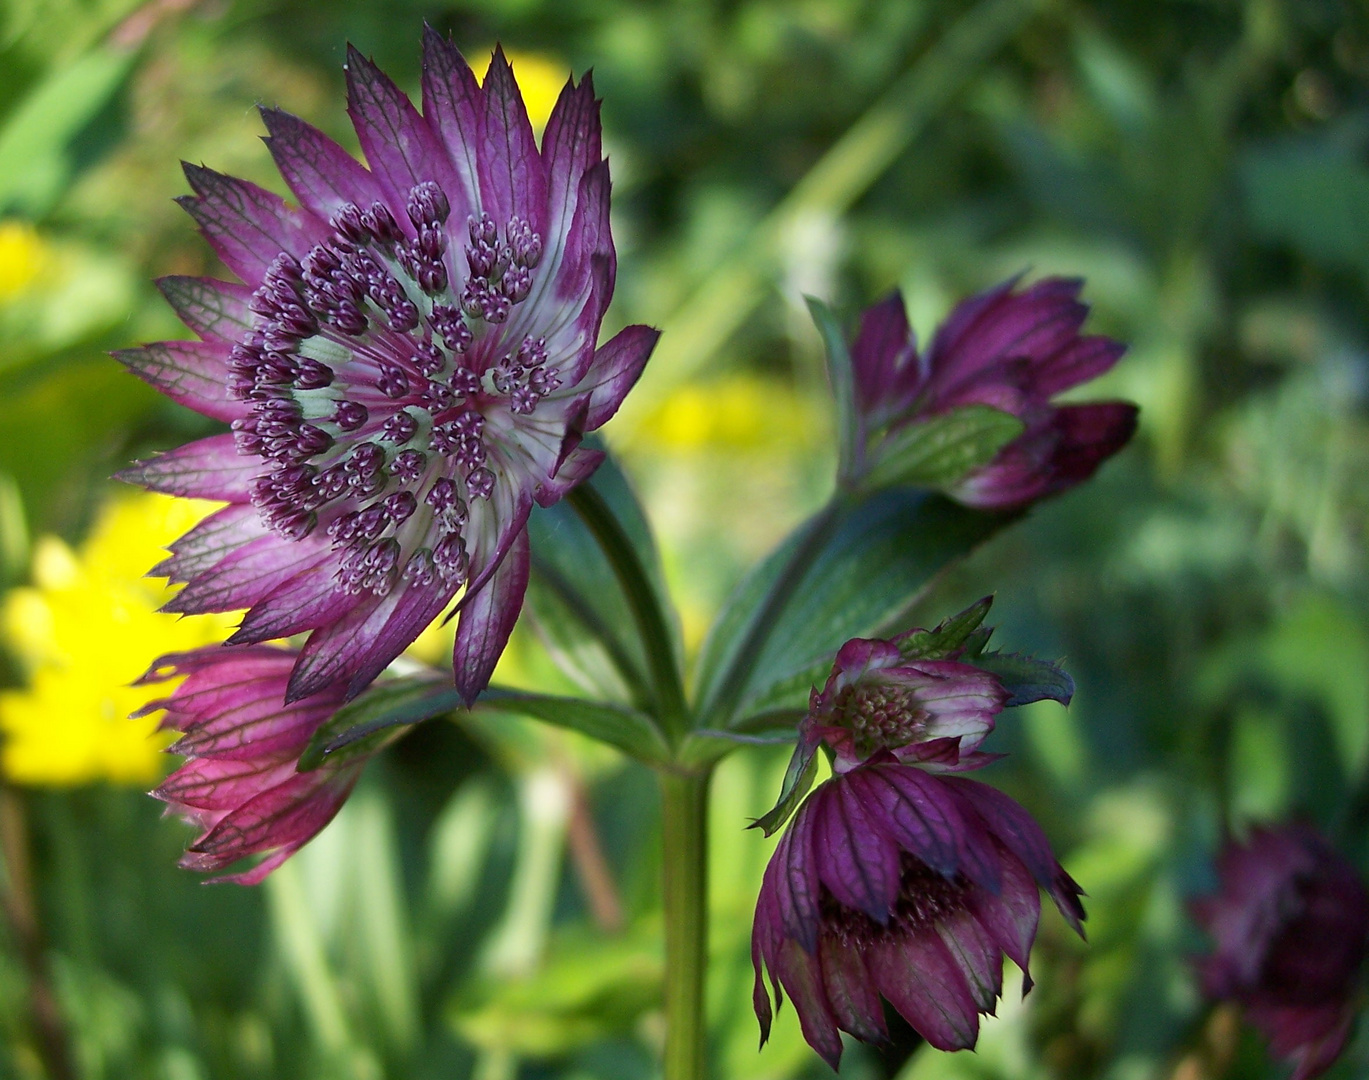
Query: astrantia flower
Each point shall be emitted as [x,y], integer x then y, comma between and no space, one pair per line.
[409,366]
[240,785]
[1012,351]
[1290,926]
[895,883]
[896,880]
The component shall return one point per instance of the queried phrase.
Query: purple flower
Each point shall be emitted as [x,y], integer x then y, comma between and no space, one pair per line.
[1010,350]
[239,784]
[409,365]
[1290,926]
[892,883]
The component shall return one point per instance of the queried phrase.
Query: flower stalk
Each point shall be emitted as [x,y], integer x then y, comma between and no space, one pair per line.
[684,812]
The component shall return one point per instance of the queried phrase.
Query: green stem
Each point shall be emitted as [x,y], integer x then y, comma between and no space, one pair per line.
[684,812]
[663,671]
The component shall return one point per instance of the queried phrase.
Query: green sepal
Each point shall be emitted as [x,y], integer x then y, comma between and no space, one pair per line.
[632,732]
[363,725]
[798,778]
[939,451]
[947,636]
[1027,679]
[841,373]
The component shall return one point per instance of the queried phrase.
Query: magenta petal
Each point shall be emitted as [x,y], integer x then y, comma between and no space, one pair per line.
[802,980]
[257,728]
[578,467]
[921,980]
[617,366]
[310,599]
[488,619]
[914,812]
[249,574]
[402,150]
[513,182]
[221,783]
[571,145]
[209,542]
[215,310]
[977,955]
[192,373]
[211,468]
[851,992]
[322,175]
[247,225]
[453,106]
[860,865]
[884,357]
[795,880]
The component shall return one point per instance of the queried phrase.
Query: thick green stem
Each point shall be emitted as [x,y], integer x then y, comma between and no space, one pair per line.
[667,684]
[684,810]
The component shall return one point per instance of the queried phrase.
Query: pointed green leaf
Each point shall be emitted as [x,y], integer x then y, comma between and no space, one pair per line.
[632,732]
[361,725]
[1027,679]
[841,373]
[798,778]
[948,635]
[939,451]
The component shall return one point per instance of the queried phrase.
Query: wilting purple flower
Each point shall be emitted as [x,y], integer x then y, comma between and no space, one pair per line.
[1010,350]
[896,880]
[239,784]
[898,884]
[1290,926]
[409,365]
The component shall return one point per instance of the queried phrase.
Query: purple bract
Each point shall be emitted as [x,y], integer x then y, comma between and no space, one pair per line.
[1010,350]
[239,785]
[1290,926]
[409,365]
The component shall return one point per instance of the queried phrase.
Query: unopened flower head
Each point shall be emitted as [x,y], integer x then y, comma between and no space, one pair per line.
[896,880]
[1290,928]
[1012,350]
[240,784]
[409,365]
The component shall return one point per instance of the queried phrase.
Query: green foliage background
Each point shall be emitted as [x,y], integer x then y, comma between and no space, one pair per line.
[1201,162]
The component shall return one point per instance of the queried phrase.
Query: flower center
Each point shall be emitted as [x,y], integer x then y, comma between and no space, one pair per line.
[924,898]
[369,381]
[880,716]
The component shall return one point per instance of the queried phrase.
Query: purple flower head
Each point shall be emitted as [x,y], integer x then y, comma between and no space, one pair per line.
[1290,928]
[408,366]
[1010,350]
[896,885]
[239,784]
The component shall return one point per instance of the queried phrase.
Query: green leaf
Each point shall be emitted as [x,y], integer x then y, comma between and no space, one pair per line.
[798,778]
[1317,202]
[580,610]
[35,160]
[1026,678]
[851,572]
[939,451]
[362,725]
[842,375]
[632,732]
[948,635]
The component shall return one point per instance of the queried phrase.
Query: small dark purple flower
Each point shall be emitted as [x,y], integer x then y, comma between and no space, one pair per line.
[409,365]
[239,784]
[897,881]
[1013,351]
[896,884]
[1290,928]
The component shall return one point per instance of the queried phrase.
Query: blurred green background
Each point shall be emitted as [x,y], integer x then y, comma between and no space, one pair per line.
[487,905]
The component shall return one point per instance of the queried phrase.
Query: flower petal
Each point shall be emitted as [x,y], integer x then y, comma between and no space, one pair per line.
[488,619]
[211,468]
[192,373]
[616,367]
[920,979]
[209,542]
[453,105]
[851,992]
[857,862]
[322,175]
[215,310]
[248,574]
[799,973]
[513,181]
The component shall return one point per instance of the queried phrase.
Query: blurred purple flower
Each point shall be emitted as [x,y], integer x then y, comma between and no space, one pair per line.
[409,366]
[1010,350]
[239,784]
[897,884]
[1290,926]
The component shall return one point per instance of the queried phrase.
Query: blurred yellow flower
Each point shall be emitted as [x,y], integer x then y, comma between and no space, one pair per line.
[22,255]
[85,629]
[733,413]
[540,77]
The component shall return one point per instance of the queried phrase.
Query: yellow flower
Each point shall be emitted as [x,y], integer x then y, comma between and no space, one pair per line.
[22,255]
[85,629]
[540,78]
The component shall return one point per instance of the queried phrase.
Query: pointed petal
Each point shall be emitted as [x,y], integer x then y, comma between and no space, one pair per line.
[192,373]
[215,310]
[571,145]
[513,181]
[210,542]
[256,728]
[851,992]
[976,953]
[795,882]
[221,783]
[914,812]
[400,147]
[578,467]
[1011,915]
[308,600]
[249,574]
[884,357]
[453,105]
[211,468]
[247,225]
[487,621]
[322,175]
[918,977]
[855,859]
[617,365]
[799,974]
